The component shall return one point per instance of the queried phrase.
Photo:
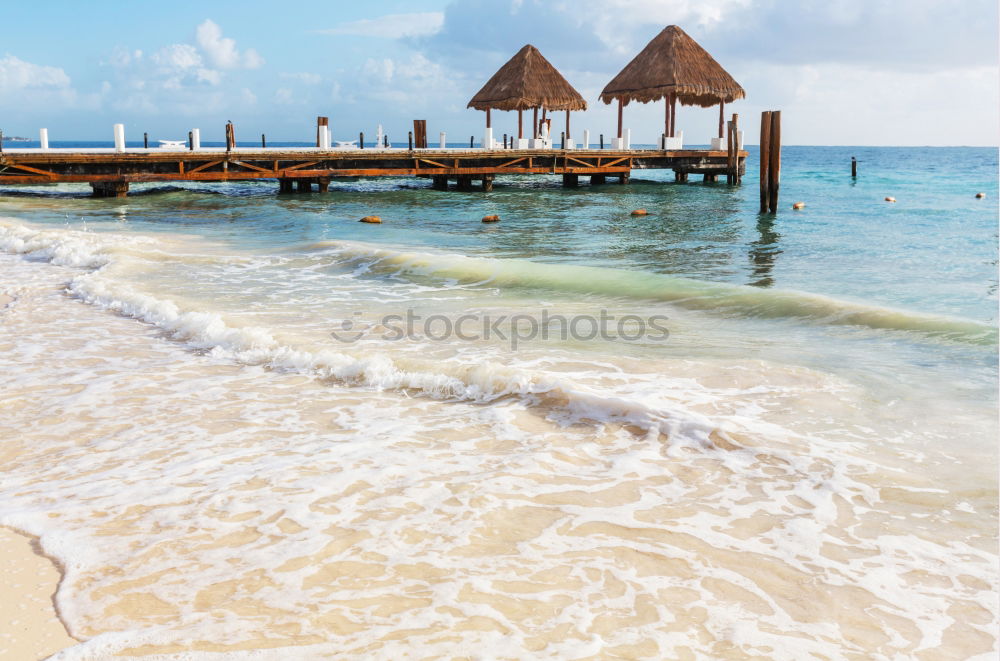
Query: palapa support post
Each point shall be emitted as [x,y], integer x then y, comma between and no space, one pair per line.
[520,124]
[321,124]
[620,105]
[109,188]
[673,115]
[489,124]
[774,169]
[666,118]
[534,124]
[568,134]
[722,114]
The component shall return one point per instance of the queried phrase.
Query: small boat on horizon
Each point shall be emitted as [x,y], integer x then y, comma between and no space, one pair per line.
[15,138]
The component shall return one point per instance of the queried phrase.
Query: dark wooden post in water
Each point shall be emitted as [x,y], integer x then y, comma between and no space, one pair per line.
[284,185]
[145,141]
[854,167]
[361,139]
[472,141]
[109,188]
[321,124]
[263,141]
[488,182]
[770,160]
[765,159]
[774,178]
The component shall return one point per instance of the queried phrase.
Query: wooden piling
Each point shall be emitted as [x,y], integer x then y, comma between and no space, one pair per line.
[602,141]
[774,169]
[1,142]
[321,124]
[854,167]
[109,188]
[361,140]
[284,185]
[410,140]
[472,141]
[765,160]
[263,141]
[572,180]
[230,137]
[488,183]
[597,179]
[323,184]
[420,133]
[562,139]
[191,140]
[145,140]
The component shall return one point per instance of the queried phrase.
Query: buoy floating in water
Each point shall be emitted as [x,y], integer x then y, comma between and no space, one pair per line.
[371,219]
[980,196]
[491,219]
[890,199]
[799,205]
[640,212]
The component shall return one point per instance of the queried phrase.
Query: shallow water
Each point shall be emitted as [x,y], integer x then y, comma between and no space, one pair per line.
[783,445]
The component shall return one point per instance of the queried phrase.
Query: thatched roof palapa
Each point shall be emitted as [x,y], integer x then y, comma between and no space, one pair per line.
[527,81]
[673,63]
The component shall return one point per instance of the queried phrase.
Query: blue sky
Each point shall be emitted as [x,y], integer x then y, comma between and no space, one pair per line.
[849,72]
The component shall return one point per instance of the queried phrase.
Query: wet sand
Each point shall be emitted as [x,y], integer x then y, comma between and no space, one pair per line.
[28,580]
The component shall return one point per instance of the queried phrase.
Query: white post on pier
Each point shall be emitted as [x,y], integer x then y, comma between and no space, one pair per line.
[378,138]
[195,139]
[324,137]
[443,143]
[488,138]
[628,138]
[329,137]
[119,137]
[586,140]
[43,138]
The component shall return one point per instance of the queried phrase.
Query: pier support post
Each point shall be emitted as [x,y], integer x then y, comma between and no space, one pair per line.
[109,188]
[303,185]
[323,184]
[487,183]
[597,179]
[464,182]
[572,180]
[439,182]
[710,178]
[623,178]
[680,177]
[284,185]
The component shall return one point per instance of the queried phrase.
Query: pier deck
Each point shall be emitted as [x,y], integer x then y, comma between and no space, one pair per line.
[110,171]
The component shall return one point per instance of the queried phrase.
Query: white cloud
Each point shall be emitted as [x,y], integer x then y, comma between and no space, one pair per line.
[306,78]
[177,57]
[16,74]
[221,51]
[392,26]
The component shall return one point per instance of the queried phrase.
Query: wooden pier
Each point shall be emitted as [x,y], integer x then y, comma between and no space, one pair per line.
[110,171]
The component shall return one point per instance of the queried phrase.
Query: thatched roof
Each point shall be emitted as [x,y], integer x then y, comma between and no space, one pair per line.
[528,80]
[673,63]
